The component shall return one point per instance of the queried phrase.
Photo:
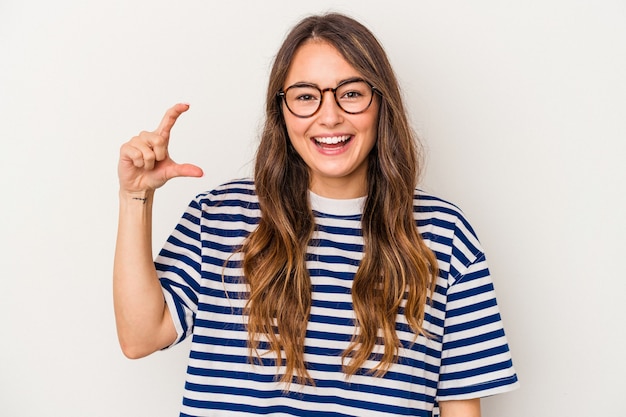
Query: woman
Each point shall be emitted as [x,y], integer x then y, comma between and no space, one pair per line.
[328,284]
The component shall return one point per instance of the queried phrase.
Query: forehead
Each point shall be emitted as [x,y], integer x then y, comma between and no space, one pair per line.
[320,63]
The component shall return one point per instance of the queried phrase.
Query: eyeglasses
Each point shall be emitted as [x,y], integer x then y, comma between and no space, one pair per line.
[353,96]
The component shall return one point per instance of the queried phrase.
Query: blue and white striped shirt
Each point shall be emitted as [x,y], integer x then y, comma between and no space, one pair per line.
[200,273]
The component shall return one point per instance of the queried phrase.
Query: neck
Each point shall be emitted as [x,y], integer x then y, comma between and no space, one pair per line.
[338,189]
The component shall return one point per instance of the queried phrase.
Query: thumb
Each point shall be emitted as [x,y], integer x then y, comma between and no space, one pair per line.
[184,170]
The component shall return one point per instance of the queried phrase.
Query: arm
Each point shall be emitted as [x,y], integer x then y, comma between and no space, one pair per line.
[144,324]
[460,408]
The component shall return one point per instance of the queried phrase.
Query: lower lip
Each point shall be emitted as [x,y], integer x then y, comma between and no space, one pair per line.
[332,149]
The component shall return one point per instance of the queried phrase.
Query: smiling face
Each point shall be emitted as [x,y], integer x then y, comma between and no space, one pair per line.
[334,144]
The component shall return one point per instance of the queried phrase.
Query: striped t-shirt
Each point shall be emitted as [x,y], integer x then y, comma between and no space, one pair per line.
[199,267]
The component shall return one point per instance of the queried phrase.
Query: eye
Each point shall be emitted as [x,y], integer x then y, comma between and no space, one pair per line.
[302,95]
[352,94]
[353,91]
[305,97]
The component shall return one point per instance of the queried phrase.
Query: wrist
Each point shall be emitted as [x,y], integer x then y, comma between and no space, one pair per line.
[141,197]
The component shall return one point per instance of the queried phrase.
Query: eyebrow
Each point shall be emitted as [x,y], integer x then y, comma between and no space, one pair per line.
[308,84]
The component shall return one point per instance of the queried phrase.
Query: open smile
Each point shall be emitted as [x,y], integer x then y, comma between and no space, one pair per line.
[332,142]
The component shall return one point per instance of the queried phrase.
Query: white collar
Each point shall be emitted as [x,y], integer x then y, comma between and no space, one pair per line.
[337,207]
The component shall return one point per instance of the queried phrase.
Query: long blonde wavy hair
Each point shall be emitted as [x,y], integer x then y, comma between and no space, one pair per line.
[396,268]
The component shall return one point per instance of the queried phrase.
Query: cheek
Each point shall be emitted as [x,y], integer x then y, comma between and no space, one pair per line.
[371,126]
[296,128]
[371,123]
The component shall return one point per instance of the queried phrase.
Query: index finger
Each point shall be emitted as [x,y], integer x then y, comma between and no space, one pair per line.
[170,118]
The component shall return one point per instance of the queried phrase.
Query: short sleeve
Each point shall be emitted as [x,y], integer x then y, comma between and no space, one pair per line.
[476,361]
[178,267]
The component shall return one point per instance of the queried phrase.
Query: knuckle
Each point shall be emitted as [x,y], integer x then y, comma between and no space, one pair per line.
[127,149]
[137,157]
[144,135]
[159,141]
[149,157]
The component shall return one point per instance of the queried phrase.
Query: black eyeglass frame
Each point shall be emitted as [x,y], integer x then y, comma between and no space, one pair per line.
[282,94]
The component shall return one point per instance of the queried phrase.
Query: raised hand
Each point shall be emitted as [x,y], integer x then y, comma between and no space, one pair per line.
[145,163]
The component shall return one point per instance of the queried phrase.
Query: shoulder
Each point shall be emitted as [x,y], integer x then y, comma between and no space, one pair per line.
[447,231]
[235,200]
[430,209]
[240,191]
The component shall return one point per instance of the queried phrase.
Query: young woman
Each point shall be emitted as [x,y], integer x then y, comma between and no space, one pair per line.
[328,284]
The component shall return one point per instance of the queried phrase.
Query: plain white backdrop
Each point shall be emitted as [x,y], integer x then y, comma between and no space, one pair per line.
[521,106]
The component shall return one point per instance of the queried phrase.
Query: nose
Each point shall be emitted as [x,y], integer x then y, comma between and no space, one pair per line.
[330,113]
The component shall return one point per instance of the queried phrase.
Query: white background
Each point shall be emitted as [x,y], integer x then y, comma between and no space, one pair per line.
[521,105]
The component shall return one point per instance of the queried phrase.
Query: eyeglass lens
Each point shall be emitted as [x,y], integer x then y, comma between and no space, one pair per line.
[305,100]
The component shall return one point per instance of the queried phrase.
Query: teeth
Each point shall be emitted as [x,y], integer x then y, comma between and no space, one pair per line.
[332,140]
